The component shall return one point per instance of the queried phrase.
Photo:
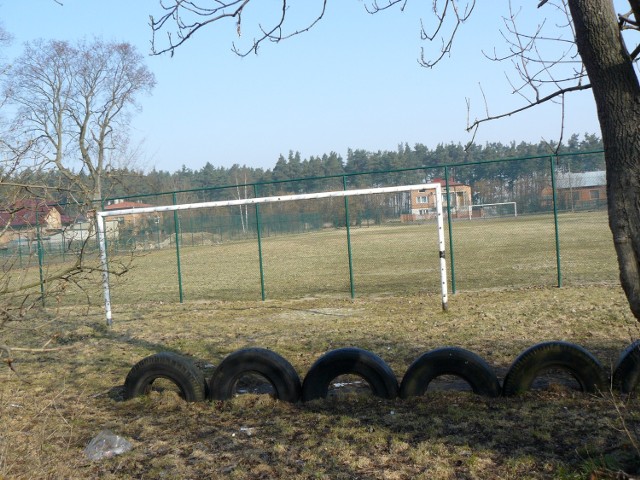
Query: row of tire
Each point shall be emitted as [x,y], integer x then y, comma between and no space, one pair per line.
[286,385]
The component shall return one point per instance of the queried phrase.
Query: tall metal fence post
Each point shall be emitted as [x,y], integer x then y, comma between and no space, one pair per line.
[346,214]
[450,226]
[259,234]
[176,227]
[277,225]
[40,257]
[20,249]
[552,162]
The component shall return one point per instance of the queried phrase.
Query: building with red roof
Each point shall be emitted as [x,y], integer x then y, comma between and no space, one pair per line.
[21,219]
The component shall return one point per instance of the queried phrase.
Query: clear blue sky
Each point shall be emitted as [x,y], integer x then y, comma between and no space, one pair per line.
[351,82]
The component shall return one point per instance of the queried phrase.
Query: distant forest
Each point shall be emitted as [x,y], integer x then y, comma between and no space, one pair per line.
[131,182]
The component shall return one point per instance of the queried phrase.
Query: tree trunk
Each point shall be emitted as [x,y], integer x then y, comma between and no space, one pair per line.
[617,95]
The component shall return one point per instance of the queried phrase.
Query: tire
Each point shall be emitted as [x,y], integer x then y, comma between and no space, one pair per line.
[176,368]
[275,369]
[450,361]
[344,361]
[577,361]
[626,373]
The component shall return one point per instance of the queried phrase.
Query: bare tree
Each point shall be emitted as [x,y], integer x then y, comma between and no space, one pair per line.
[15,159]
[75,103]
[242,193]
[20,179]
[69,107]
[588,51]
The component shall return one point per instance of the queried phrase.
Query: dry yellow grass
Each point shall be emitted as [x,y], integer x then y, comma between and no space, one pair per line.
[59,400]
[398,259]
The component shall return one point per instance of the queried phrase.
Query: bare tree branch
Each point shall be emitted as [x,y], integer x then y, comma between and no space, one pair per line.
[460,16]
[540,78]
[540,101]
[182,19]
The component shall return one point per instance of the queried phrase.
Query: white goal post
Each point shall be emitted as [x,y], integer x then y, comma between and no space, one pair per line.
[495,207]
[101,216]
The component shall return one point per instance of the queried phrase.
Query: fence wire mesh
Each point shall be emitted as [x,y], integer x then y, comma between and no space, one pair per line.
[518,222]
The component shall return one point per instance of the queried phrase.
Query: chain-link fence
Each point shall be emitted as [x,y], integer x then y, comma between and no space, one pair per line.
[517,222]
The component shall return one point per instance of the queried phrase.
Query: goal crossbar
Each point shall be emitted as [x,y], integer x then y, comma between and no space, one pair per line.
[102,215]
[482,205]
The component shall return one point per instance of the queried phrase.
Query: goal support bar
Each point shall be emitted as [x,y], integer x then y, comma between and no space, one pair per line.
[102,215]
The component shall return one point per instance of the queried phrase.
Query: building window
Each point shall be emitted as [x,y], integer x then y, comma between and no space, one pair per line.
[595,194]
[422,199]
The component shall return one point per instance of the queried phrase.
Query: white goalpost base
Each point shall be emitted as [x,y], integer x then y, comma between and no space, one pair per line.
[101,216]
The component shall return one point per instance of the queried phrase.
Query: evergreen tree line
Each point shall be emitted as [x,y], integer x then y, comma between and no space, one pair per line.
[295,167]
[521,181]
[489,178]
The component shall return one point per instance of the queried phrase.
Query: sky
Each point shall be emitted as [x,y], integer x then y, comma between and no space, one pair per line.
[353,81]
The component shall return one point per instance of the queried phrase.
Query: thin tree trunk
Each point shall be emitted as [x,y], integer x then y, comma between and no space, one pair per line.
[617,95]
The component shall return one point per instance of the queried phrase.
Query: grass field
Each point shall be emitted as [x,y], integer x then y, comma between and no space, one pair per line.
[69,367]
[397,259]
[58,400]
[522,251]
[389,259]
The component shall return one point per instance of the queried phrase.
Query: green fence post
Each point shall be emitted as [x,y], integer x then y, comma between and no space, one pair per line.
[259,234]
[450,226]
[346,213]
[176,227]
[40,257]
[555,219]
[20,249]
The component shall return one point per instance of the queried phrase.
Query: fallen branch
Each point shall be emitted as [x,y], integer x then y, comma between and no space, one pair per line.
[41,350]
[9,362]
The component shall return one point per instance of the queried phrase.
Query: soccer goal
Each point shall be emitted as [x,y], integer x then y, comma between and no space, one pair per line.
[432,189]
[493,210]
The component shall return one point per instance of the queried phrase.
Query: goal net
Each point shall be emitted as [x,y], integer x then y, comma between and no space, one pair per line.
[270,221]
[493,210]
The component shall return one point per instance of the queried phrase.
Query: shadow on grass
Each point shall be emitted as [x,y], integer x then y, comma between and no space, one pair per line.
[555,432]
[550,428]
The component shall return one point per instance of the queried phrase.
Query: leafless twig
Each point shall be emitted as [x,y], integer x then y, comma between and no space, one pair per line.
[182,19]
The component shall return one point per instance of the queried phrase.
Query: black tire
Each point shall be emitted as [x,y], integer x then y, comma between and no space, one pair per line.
[575,360]
[176,368]
[275,369]
[626,373]
[450,361]
[345,361]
